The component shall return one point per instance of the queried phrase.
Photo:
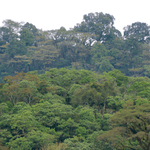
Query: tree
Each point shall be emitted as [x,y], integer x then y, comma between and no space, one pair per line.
[106,88]
[30,27]
[65,78]
[116,43]
[28,90]
[12,92]
[115,102]
[69,128]
[138,30]
[27,36]
[16,47]
[97,52]
[21,130]
[4,35]
[44,57]
[50,114]
[99,24]
[94,95]
[141,89]
[21,87]
[133,46]
[35,139]
[72,51]
[13,28]
[86,96]
[3,108]
[96,144]
[120,77]
[90,119]
[132,128]
[106,66]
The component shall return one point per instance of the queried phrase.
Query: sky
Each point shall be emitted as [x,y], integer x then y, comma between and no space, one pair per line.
[53,14]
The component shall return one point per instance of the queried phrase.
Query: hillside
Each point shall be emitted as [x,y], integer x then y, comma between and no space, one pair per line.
[94,44]
[87,88]
[72,110]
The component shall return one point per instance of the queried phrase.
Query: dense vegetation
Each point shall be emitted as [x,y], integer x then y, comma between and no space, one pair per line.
[94,44]
[91,89]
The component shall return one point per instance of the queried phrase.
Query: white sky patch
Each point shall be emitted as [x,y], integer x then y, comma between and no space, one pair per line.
[53,14]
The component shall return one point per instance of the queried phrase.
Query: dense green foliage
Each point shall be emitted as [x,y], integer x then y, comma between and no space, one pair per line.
[85,88]
[74,109]
[94,44]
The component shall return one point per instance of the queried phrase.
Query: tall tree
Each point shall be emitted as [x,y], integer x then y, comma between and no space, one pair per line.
[27,36]
[138,30]
[99,24]
[31,27]
[13,28]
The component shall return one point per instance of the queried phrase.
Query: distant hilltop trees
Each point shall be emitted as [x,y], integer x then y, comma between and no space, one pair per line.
[94,44]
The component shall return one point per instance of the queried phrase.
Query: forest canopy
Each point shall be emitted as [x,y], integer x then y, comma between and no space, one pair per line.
[94,44]
[83,88]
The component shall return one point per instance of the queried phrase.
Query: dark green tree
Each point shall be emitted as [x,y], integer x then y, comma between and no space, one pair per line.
[105,66]
[31,27]
[97,52]
[13,29]
[27,36]
[138,30]
[16,47]
[99,24]
[133,47]
[4,35]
